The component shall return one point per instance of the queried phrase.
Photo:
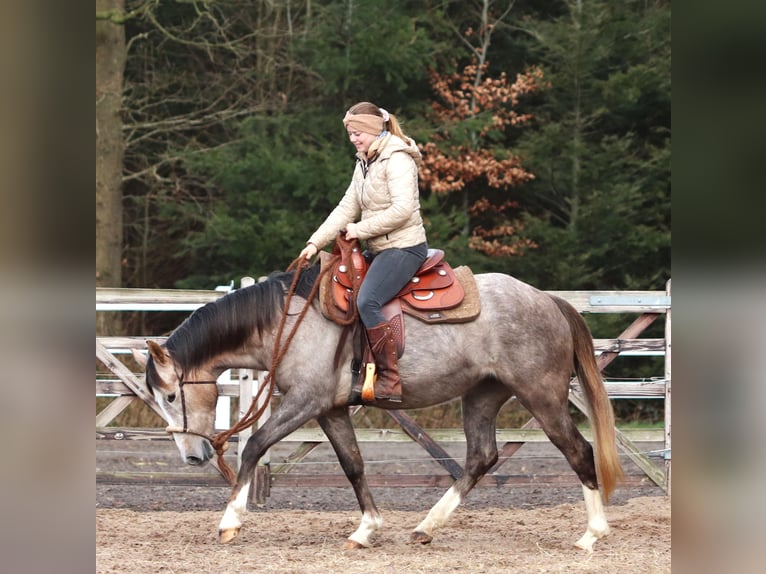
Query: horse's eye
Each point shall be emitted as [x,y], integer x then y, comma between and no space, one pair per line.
[171,397]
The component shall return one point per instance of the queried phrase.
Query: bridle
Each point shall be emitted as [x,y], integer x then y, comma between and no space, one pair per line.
[185,429]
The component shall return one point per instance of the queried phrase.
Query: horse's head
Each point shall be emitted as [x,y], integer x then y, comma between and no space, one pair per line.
[188,404]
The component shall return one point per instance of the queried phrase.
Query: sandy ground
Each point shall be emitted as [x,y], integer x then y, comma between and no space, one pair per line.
[303,542]
[162,529]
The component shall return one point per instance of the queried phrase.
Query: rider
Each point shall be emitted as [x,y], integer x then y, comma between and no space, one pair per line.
[384,193]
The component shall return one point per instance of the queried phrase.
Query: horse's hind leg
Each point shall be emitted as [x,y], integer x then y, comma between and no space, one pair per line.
[552,412]
[480,409]
[579,454]
[337,426]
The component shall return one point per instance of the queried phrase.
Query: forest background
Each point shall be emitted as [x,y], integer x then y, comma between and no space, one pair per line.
[545,129]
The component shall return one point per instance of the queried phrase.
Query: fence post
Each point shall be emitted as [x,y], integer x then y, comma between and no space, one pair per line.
[668,377]
[223,406]
[245,398]
[262,483]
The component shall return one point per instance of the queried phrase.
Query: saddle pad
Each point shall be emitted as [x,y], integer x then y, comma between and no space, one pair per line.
[467,311]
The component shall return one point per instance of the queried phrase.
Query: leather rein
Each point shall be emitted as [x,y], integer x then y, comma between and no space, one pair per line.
[220,440]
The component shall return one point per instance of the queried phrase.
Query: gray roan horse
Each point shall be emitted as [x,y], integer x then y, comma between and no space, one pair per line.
[525,343]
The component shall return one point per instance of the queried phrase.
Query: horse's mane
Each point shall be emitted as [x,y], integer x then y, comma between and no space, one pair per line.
[227,323]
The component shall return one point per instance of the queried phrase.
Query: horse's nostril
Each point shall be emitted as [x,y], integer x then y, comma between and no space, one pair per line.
[194,460]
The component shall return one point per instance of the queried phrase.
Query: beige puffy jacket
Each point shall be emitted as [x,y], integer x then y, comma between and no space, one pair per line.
[387,199]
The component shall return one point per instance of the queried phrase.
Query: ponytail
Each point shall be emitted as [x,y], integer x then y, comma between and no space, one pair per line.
[393,126]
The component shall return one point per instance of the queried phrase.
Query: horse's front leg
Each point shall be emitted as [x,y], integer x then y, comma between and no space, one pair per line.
[290,415]
[337,426]
[231,523]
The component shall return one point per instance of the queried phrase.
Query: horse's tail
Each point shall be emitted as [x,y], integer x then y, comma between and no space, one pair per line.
[601,414]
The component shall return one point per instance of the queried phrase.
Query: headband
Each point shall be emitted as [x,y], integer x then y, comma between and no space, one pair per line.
[366,123]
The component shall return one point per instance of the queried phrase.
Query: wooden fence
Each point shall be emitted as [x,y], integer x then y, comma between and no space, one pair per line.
[125,387]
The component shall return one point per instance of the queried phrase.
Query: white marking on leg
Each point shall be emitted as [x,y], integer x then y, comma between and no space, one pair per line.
[235,510]
[441,512]
[597,525]
[367,527]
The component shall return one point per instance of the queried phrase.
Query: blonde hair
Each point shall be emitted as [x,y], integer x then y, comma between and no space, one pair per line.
[391,125]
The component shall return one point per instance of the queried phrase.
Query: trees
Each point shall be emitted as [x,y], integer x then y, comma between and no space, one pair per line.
[234,151]
[195,71]
[469,162]
[110,61]
[281,171]
[473,112]
[599,207]
[206,82]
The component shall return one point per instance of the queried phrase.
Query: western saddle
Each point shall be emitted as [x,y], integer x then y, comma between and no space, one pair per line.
[433,289]
[434,286]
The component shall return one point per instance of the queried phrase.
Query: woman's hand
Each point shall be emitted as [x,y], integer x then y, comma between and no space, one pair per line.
[309,251]
[351,231]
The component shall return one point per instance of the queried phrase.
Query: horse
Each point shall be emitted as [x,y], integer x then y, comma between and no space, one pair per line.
[524,344]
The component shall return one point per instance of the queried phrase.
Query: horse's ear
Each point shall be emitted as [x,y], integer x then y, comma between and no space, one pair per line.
[140,357]
[159,354]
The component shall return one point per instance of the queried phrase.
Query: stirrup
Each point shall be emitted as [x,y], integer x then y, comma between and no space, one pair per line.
[368,388]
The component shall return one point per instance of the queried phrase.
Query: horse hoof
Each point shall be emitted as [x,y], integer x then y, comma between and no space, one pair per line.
[352,545]
[421,537]
[226,535]
[589,539]
[586,543]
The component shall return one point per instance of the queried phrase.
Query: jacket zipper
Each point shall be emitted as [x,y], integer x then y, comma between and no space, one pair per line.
[365,170]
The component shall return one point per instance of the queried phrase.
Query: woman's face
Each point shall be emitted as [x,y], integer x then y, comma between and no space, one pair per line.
[360,140]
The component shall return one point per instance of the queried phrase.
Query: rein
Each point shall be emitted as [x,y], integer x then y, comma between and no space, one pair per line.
[220,439]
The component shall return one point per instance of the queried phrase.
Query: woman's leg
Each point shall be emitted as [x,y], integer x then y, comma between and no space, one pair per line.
[389,271]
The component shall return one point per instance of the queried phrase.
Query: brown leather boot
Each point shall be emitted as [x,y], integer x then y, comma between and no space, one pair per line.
[388,385]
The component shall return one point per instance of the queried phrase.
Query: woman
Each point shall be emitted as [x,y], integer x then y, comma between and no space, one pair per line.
[381,207]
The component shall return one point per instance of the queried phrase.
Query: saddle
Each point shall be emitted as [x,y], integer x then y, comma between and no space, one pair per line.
[437,293]
[434,286]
